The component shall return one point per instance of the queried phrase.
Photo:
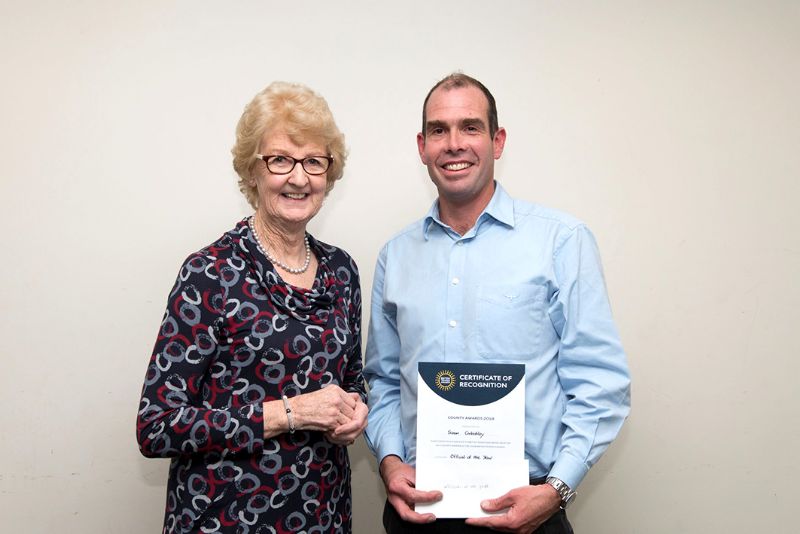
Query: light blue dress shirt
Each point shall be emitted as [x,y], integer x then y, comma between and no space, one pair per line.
[524,285]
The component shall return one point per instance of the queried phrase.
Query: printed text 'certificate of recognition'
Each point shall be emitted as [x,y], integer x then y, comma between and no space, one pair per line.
[470,434]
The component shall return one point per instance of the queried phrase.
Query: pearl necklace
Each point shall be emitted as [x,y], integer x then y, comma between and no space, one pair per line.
[276,261]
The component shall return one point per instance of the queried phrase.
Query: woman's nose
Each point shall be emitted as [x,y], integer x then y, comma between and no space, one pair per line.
[298,176]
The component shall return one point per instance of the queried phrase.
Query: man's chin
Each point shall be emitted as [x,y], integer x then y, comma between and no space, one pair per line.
[460,191]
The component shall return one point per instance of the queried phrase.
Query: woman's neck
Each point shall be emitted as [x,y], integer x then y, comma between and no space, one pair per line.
[286,243]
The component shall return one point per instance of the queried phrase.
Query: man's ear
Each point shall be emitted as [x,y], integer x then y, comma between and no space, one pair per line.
[421,147]
[499,142]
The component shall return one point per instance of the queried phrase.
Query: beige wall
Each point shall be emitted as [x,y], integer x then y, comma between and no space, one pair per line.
[672,128]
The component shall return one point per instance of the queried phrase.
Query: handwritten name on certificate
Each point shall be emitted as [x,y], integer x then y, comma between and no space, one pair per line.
[470,434]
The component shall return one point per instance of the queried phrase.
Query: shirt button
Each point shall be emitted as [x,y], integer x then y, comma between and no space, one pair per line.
[452,324]
[459,243]
[456,281]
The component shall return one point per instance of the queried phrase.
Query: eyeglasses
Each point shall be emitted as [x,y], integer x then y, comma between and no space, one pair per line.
[282,164]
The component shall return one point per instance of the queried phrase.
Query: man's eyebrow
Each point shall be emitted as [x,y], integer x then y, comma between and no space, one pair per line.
[474,122]
[431,125]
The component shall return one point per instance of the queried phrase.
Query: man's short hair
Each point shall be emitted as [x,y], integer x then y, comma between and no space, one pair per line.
[455,81]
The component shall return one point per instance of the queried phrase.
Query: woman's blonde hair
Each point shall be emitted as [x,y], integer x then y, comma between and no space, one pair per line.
[295,110]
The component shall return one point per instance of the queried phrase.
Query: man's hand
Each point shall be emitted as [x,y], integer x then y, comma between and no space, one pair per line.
[400,480]
[527,508]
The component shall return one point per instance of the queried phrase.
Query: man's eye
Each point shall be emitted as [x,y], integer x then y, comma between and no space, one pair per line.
[437,131]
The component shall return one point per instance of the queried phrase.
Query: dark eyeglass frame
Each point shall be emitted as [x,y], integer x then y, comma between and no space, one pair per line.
[295,161]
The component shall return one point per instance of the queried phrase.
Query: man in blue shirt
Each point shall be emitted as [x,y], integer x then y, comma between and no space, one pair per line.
[487,278]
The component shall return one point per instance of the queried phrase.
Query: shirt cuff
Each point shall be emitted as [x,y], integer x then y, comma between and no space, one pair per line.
[569,470]
[387,446]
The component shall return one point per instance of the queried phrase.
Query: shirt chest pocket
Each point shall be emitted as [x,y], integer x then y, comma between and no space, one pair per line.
[510,319]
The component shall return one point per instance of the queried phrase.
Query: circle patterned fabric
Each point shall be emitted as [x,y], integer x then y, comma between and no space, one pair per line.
[233,336]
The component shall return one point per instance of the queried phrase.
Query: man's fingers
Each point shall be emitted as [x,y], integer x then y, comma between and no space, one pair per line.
[407,514]
[410,495]
[494,522]
[497,522]
[418,496]
[401,493]
[495,505]
[413,517]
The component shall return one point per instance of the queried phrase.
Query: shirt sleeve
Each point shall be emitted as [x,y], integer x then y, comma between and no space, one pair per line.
[353,374]
[592,366]
[382,371]
[173,419]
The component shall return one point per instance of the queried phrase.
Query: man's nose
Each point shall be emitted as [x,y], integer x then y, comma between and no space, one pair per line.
[455,141]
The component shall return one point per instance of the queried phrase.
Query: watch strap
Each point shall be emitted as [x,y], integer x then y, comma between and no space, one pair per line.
[564,491]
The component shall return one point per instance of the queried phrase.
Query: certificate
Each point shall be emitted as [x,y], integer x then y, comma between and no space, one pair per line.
[470,434]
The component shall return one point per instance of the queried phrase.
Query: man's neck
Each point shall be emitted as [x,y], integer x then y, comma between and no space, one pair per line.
[462,216]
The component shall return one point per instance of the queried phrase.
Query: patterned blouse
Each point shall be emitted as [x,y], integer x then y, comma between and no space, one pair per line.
[233,336]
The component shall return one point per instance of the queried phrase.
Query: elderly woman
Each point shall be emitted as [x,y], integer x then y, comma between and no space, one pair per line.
[254,388]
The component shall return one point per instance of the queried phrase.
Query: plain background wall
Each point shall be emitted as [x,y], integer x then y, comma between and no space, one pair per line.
[672,128]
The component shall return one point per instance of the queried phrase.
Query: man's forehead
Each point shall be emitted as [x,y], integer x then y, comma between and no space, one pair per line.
[467,101]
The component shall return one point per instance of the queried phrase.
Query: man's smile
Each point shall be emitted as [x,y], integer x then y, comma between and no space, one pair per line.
[457,166]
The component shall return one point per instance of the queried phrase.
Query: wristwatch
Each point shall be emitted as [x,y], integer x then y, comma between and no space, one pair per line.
[567,494]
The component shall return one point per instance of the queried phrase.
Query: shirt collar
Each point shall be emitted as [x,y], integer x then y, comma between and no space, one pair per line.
[500,208]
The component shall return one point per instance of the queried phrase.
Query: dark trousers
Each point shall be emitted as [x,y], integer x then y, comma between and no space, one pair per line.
[557,524]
